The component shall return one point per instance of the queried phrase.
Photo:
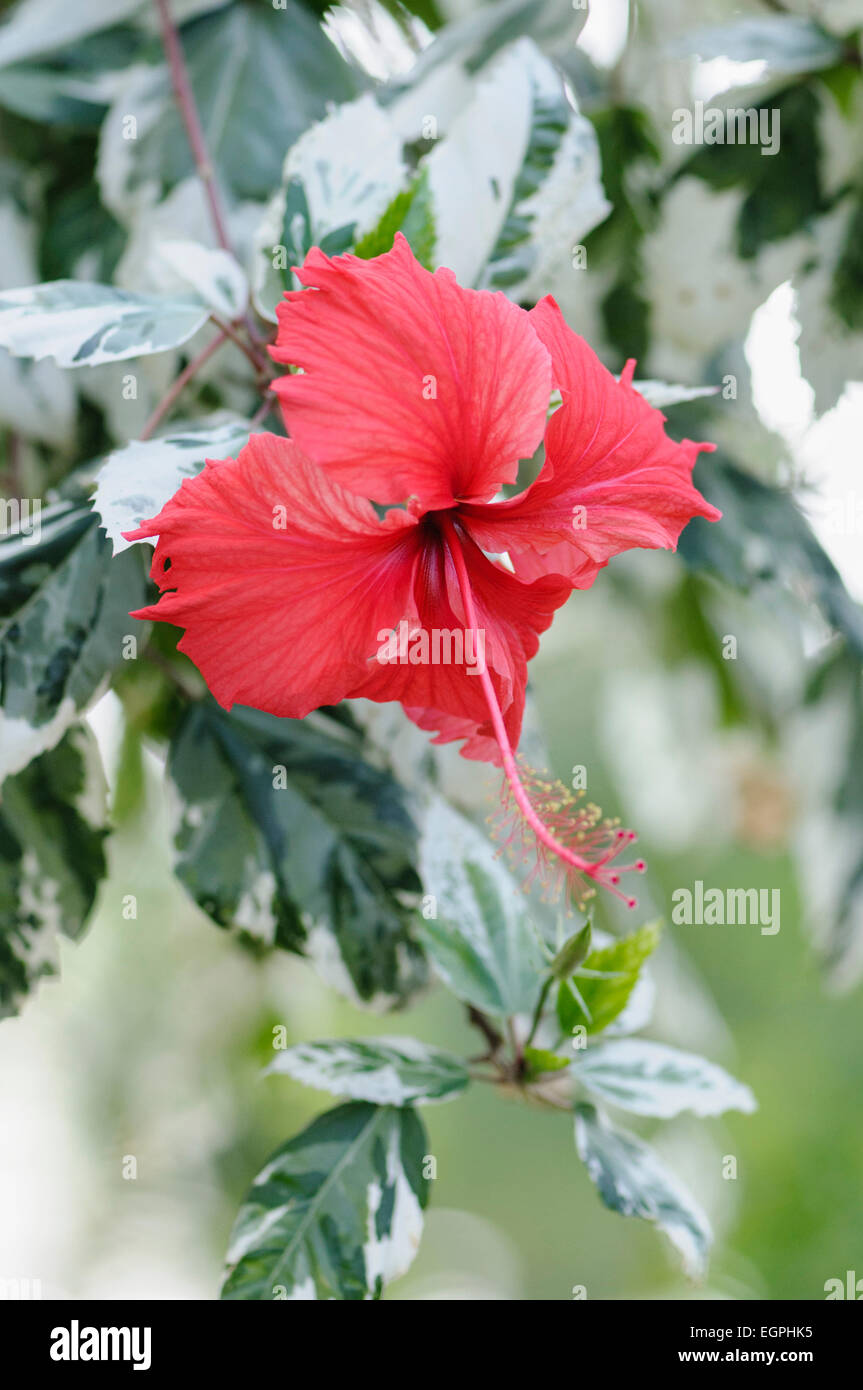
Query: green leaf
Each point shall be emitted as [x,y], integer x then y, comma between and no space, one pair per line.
[336,1213]
[846,296]
[288,833]
[260,76]
[764,538]
[410,212]
[80,226]
[539,1061]
[477,38]
[606,998]
[572,953]
[626,319]
[649,1078]
[833,713]
[782,191]
[82,325]
[481,939]
[629,154]
[135,482]
[632,1179]
[41,94]
[386,1071]
[51,859]
[786,43]
[42,26]
[64,612]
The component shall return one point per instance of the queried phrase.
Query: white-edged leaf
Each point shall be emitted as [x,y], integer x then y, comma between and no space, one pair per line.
[52,818]
[476,39]
[638,1010]
[215,275]
[82,325]
[662,393]
[43,26]
[336,1213]
[37,399]
[286,832]
[649,1078]
[557,196]
[65,614]
[481,939]
[181,12]
[632,1179]
[477,165]
[260,75]
[386,1071]
[337,181]
[350,166]
[785,43]
[831,353]
[135,482]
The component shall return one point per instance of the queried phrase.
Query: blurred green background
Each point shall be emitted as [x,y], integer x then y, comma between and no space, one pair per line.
[153,1045]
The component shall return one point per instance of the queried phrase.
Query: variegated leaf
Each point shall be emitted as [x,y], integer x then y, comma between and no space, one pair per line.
[650,1078]
[336,1213]
[387,1071]
[135,482]
[632,1179]
[82,325]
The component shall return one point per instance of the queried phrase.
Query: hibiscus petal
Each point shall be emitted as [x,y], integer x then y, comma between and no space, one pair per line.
[612,479]
[411,385]
[281,579]
[443,695]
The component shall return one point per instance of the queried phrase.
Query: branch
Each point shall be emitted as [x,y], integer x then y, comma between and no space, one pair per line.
[197,141]
[267,404]
[258,361]
[191,120]
[487,1028]
[185,376]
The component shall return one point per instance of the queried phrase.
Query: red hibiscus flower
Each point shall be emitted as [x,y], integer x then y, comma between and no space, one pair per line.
[422,397]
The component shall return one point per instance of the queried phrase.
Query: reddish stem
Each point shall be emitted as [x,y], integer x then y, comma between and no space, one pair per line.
[260,363]
[263,410]
[191,120]
[197,141]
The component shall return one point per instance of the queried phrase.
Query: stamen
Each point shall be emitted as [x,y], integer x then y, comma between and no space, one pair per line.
[573,846]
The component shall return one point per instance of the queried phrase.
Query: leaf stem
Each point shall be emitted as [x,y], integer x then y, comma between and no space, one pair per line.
[249,350]
[493,1037]
[517,1050]
[263,410]
[188,107]
[537,1013]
